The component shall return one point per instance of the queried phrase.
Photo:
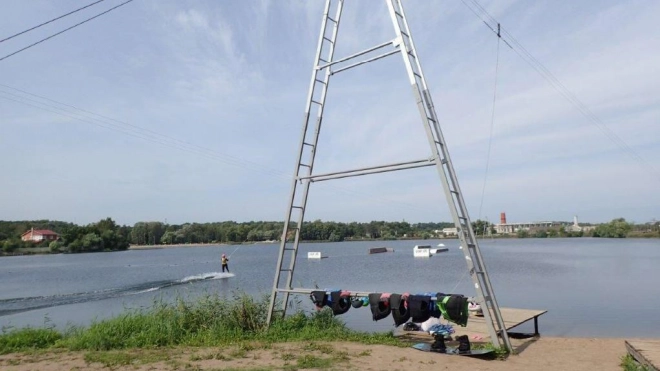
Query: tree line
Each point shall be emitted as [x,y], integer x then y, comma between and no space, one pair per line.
[617,228]
[106,235]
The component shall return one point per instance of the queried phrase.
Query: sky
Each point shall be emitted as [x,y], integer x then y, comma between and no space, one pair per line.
[192,111]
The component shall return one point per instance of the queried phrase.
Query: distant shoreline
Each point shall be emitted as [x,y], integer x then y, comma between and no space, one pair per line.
[154,247]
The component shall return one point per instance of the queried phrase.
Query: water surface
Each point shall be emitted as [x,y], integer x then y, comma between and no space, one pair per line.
[590,287]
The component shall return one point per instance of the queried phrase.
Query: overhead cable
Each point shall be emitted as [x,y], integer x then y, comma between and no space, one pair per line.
[47,22]
[492,120]
[66,29]
[519,49]
[136,131]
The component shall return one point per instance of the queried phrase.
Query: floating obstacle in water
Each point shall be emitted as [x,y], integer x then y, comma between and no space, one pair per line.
[425,251]
[378,250]
[315,255]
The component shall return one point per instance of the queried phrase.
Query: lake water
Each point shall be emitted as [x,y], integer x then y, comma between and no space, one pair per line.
[590,287]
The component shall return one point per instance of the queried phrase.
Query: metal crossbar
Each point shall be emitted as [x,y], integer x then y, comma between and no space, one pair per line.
[370,170]
[352,294]
[304,176]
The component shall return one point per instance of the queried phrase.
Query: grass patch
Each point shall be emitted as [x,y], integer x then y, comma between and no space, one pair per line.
[323,348]
[203,357]
[238,353]
[125,358]
[341,356]
[311,361]
[209,322]
[628,363]
[500,352]
[288,357]
[20,340]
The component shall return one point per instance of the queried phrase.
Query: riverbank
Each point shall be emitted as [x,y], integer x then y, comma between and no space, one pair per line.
[540,354]
[214,333]
[152,247]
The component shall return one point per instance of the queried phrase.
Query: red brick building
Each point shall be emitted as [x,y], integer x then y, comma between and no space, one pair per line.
[38,235]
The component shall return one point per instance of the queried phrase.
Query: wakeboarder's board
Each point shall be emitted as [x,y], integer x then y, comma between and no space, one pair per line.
[208,276]
[426,347]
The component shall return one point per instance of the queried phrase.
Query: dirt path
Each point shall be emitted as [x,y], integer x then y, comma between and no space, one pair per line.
[541,354]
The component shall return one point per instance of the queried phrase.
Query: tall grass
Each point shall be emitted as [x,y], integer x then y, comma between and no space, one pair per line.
[211,321]
[628,363]
[28,338]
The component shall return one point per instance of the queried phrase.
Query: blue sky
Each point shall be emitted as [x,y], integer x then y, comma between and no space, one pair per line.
[218,90]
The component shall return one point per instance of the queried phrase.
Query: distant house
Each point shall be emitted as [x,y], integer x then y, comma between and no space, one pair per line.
[38,235]
[450,231]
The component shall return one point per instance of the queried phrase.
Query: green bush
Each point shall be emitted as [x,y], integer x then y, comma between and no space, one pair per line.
[55,246]
[26,339]
[210,321]
[12,245]
[617,228]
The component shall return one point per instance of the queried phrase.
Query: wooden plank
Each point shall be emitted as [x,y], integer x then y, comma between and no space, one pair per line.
[477,325]
[646,352]
[512,316]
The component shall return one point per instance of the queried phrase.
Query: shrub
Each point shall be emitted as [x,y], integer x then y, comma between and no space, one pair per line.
[27,338]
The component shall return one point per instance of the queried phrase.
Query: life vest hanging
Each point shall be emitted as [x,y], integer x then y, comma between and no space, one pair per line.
[418,305]
[339,302]
[379,308]
[319,298]
[435,310]
[454,308]
[399,307]
[356,303]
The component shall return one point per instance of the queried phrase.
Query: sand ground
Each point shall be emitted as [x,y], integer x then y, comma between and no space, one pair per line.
[545,353]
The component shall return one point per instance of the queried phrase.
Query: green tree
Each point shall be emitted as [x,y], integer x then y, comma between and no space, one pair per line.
[541,234]
[335,237]
[480,227]
[168,238]
[91,242]
[11,245]
[56,246]
[522,233]
[617,228]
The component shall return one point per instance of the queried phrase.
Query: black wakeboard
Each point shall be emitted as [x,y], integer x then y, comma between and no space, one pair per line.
[426,347]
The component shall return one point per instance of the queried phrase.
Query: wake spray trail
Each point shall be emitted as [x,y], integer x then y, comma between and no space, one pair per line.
[25,304]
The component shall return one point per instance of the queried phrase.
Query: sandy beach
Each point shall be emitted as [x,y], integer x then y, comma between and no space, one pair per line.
[545,353]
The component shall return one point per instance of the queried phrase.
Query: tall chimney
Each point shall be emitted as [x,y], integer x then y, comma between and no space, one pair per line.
[502,218]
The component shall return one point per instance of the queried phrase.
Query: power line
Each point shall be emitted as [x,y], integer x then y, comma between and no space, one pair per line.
[519,49]
[47,22]
[499,36]
[66,29]
[492,119]
[132,130]
[71,111]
